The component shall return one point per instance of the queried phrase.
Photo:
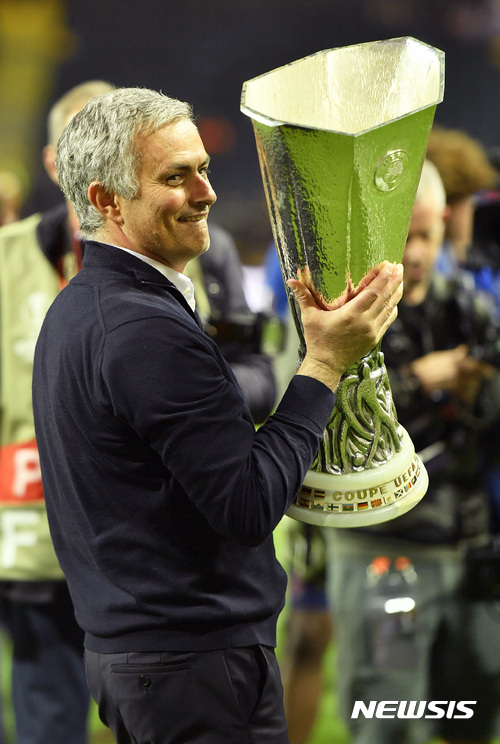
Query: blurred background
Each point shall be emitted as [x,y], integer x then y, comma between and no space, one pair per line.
[202,52]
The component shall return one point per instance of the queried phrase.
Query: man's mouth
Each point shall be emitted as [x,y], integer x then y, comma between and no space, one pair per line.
[415,272]
[194,217]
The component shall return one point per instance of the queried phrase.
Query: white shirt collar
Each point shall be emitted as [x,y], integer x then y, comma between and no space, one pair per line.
[181,281]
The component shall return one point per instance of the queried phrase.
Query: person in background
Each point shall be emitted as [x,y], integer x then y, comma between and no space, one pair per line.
[471,246]
[308,622]
[38,256]
[465,170]
[11,195]
[413,619]
[162,497]
[483,257]
[309,627]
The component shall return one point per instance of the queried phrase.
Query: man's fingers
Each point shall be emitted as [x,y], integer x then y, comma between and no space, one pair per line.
[385,290]
[373,273]
[302,294]
[377,301]
[393,314]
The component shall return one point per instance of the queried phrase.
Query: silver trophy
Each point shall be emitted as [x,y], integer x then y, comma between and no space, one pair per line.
[341,137]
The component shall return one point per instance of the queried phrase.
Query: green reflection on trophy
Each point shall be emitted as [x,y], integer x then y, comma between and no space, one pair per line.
[341,137]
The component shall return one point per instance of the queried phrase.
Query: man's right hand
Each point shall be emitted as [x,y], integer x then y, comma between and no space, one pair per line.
[337,337]
[452,370]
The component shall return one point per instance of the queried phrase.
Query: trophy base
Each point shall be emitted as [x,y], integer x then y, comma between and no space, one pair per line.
[363,498]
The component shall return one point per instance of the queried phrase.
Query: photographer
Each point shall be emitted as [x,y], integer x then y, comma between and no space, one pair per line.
[447,395]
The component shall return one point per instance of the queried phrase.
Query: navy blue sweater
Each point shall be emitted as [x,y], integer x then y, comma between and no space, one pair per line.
[161,496]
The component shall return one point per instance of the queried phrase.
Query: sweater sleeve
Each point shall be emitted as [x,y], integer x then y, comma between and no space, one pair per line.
[174,389]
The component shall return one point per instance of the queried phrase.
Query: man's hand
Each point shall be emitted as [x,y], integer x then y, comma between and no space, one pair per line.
[452,370]
[338,335]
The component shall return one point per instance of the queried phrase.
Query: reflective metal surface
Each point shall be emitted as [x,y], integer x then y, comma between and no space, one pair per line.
[341,137]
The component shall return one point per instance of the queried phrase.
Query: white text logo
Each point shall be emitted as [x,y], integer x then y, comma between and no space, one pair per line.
[414,709]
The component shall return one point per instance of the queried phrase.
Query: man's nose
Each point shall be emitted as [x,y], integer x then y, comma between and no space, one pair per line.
[414,246]
[202,190]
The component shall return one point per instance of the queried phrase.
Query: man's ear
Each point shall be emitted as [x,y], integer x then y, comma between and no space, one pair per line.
[104,202]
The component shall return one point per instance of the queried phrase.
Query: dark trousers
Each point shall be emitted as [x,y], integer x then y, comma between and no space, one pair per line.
[229,696]
[49,690]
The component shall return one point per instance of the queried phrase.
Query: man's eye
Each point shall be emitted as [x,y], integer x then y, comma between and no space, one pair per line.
[174,178]
[205,172]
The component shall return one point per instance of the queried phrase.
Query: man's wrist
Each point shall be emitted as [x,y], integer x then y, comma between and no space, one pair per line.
[326,374]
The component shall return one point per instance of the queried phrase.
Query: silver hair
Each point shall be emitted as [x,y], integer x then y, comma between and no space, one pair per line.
[98,145]
[71,102]
[431,187]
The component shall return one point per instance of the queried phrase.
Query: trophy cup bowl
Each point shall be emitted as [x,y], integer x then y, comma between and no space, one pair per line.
[341,138]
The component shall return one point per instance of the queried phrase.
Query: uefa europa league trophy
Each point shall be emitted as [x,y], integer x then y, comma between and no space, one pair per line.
[341,137]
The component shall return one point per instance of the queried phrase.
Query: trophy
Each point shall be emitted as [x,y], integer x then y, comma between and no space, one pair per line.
[341,138]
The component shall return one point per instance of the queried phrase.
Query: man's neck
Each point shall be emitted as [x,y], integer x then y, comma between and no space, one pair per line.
[112,235]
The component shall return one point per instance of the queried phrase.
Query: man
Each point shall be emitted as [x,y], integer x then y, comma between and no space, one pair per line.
[446,646]
[470,181]
[38,255]
[162,498]
[466,171]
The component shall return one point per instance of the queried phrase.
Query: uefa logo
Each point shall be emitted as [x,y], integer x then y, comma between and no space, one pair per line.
[390,170]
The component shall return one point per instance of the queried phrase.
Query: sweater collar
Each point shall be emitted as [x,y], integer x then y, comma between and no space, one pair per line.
[181,281]
[110,257]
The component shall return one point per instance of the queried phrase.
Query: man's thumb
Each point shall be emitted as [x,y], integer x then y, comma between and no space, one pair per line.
[301,293]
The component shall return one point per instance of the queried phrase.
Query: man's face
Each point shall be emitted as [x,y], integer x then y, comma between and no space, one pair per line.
[167,220]
[424,240]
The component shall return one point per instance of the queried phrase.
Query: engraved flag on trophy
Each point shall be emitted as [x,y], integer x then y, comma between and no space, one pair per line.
[341,137]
